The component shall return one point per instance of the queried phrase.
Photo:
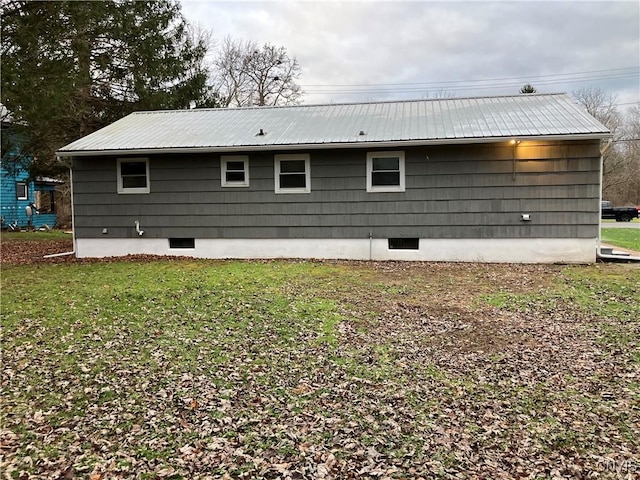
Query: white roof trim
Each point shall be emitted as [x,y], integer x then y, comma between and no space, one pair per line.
[324,146]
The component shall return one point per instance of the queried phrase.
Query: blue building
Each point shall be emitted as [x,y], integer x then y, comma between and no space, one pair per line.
[17,193]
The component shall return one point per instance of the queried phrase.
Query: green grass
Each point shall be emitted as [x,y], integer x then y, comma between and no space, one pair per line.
[185,368]
[622,237]
[34,236]
[587,291]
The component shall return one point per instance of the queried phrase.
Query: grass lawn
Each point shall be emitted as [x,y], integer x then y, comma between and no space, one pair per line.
[281,369]
[34,236]
[622,237]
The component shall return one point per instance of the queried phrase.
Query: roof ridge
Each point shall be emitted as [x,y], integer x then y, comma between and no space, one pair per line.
[379,102]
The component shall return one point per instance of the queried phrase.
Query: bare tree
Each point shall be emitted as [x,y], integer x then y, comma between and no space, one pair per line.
[602,105]
[230,79]
[627,191]
[247,74]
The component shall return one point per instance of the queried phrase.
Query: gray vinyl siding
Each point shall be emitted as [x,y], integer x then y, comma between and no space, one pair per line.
[470,191]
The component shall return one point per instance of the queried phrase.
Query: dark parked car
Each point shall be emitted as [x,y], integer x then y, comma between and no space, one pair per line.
[621,214]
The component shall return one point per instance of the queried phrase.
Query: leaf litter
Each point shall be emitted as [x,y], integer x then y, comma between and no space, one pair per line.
[324,370]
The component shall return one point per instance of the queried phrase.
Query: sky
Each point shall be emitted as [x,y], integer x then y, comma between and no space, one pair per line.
[360,51]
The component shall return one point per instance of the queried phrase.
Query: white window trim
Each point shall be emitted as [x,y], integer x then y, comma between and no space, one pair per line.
[26,190]
[385,188]
[224,159]
[307,170]
[122,189]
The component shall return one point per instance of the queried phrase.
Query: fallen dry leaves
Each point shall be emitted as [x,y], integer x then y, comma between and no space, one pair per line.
[24,252]
[423,379]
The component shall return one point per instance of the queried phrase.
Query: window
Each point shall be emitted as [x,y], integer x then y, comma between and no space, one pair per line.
[21,191]
[292,173]
[133,175]
[385,172]
[235,171]
[182,243]
[404,244]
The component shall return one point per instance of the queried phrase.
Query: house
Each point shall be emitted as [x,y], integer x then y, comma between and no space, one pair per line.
[20,195]
[17,193]
[489,179]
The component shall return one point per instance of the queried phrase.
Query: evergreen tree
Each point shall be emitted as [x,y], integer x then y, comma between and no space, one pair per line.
[528,88]
[72,67]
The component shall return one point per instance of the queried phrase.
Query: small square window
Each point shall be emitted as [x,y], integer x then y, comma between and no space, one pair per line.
[234,171]
[385,172]
[133,175]
[292,173]
[404,244]
[22,192]
[182,243]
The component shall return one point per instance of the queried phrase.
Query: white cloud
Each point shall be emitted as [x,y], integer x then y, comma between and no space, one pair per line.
[366,42]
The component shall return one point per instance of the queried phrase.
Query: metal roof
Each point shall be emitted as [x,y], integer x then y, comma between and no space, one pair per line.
[449,120]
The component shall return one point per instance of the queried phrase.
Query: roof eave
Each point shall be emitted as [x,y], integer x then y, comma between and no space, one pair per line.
[48,181]
[320,146]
